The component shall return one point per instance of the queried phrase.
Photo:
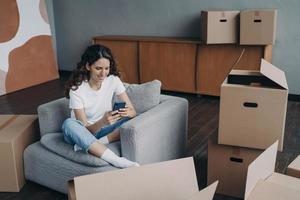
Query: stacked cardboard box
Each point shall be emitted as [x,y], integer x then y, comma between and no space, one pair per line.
[252,117]
[253,107]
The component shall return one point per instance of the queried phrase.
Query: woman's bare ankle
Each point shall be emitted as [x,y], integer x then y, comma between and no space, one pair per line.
[114,136]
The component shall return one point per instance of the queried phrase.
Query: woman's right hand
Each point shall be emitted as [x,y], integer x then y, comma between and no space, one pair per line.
[111,117]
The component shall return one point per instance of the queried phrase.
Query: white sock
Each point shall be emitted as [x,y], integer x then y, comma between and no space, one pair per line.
[117,161]
[103,140]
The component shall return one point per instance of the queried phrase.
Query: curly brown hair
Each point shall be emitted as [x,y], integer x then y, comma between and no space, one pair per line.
[90,56]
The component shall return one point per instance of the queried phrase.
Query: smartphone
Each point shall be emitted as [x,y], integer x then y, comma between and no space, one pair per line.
[119,105]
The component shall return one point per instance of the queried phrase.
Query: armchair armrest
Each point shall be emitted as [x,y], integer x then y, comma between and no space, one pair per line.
[52,114]
[158,134]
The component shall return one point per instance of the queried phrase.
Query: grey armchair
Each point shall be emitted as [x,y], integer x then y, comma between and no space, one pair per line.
[155,135]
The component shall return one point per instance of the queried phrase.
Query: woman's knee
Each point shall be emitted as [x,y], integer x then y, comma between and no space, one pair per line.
[69,123]
[69,126]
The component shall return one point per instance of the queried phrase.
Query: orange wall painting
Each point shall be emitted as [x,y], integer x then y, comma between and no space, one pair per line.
[26,52]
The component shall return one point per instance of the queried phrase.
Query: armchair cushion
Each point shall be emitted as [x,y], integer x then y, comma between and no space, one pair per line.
[55,143]
[144,96]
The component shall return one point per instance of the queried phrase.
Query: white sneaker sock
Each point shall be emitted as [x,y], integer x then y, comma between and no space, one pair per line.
[117,161]
[103,140]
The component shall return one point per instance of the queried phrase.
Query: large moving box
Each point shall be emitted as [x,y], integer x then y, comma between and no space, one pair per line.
[229,165]
[16,133]
[219,27]
[258,27]
[170,180]
[294,168]
[263,183]
[253,107]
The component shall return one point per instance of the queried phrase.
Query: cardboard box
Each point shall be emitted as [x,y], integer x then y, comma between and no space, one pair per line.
[258,27]
[16,133]
[170,180]
[219,27]
[294,168]
[253,107]
[263,183]
[229,165]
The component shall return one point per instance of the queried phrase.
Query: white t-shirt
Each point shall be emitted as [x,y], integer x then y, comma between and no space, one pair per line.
[95,102]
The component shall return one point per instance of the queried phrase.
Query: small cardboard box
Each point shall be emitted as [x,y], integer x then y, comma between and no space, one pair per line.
[170,180]
[228,165]
[219,27]
[16,133]
[258,27]
[294,168]
[253,107]
[263,183]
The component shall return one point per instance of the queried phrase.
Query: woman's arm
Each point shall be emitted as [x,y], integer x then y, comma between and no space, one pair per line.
[129,111]
[108,118]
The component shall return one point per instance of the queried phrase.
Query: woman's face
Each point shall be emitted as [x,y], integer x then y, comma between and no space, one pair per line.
[99,70]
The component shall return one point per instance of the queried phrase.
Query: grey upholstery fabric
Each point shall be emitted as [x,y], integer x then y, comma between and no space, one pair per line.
[143,96]
[55,143]
[157,135]
[51,170]
[52,114]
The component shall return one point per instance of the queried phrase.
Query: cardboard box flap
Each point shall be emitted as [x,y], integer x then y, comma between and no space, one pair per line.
[168,180]
[5,120]
[245,72]
[271,191]
[207,193]
[284,180]
[261,168]
[9,132]
[273,73]
[295,164]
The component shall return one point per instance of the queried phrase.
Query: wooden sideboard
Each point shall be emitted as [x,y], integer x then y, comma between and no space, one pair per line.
[182,65]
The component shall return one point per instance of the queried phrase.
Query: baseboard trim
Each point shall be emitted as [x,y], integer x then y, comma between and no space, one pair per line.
[294,97]
[64,73]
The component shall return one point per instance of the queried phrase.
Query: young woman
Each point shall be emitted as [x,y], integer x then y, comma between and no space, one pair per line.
[93,123]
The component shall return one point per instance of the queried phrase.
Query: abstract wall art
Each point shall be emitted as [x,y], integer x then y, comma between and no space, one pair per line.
[26,52]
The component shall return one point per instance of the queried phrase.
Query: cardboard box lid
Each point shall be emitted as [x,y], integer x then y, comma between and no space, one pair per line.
[261,168]
[174,179]
[285,181]
[265,190]
[295,164]
[273,73]
[266,69]
[20,122]
[207,193]
[262,183]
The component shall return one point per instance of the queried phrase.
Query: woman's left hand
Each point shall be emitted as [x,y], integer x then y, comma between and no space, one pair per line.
[127,112]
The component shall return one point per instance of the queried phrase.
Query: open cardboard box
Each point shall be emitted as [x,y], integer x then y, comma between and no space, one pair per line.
[170,180]
[294,168]
[16,133]
[263,183]
[253,107]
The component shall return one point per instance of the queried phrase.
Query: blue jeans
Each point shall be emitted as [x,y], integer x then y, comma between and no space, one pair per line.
[76,133]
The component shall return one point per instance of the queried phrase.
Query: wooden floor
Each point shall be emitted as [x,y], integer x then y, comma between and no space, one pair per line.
[203,124]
